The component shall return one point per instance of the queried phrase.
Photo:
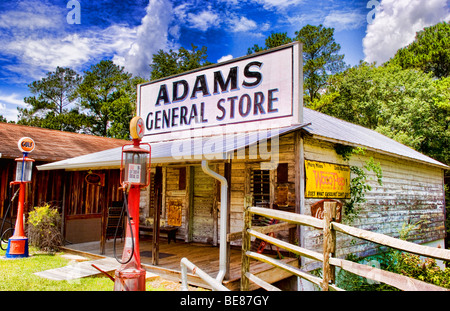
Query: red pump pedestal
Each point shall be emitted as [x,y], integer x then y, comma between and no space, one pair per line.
[131,276]
[18,243]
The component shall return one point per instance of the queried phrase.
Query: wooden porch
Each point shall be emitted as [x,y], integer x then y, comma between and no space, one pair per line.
[206,257]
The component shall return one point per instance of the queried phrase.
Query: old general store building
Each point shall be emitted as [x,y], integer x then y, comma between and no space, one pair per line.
[257,136]
[55,187]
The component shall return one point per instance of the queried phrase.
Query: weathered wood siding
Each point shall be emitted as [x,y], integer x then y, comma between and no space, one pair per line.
[203,221]
[411,193]
[82,198]
[46,187]
[174,194]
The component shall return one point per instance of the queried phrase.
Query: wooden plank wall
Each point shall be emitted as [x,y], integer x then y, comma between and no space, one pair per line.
[411,192]
[46,187]
[83,198]
[203,220]
[174,194]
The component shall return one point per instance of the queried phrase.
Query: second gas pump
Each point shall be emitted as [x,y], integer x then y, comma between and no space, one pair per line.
[135,175]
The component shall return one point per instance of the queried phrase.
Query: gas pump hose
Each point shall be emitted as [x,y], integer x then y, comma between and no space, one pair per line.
[124,207]
[11,228]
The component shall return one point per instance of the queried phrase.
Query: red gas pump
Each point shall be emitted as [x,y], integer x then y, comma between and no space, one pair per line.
[18,243]
[134,175]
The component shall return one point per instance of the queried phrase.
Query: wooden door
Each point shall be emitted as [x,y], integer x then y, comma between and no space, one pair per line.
[202,220]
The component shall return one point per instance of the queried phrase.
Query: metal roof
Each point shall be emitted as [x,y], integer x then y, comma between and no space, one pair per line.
[335,130]
[219,147]
[216,147]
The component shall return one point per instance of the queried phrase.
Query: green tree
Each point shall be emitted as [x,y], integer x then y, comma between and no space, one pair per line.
[430,51]
[49,107]
[321,58]
[165,64]
[407,105]
[272,41]
[107,93]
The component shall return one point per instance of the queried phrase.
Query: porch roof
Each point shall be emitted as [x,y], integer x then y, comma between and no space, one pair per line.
[218,147]
[214,147]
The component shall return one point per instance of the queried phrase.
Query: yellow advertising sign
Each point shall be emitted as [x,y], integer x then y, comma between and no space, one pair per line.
[327,180]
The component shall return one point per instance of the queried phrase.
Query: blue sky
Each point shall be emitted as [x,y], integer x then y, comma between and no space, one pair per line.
[36,36]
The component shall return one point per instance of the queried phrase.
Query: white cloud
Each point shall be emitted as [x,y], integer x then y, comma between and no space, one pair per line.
[38,55]
[242,24]
[180,12]
[9,104]
[225,58]
[278,4]
[13,99]
[40,51]
[396,24]
[150,37]
[30,15]
[344,20]
[204,20]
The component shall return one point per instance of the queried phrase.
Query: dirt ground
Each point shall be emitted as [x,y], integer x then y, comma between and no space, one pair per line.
[162,284]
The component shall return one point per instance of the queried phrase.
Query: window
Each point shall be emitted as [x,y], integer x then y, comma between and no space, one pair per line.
[182,178]
[260,186]
[282,173]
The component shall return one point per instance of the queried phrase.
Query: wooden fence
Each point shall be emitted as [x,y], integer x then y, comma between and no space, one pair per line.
[329,227]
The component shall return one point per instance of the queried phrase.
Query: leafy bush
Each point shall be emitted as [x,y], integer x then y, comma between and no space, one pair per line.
[44,228]
[399,262]
[425,270]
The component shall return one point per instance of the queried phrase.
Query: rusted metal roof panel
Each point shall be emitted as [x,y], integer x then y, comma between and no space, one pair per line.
[51,145]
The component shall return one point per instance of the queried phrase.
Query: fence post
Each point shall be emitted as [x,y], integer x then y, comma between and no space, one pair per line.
[329,244]
[246,243]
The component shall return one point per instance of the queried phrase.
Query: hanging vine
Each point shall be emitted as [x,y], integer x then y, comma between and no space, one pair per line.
[359,183]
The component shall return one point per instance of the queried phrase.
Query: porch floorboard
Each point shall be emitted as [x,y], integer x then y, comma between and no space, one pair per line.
[205,256]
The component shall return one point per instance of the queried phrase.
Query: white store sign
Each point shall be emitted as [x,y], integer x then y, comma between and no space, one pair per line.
[264,88]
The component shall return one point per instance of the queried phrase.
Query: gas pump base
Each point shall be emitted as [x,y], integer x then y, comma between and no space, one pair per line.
[17,247]
[130,280]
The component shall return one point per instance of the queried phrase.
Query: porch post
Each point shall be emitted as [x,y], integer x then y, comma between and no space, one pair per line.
[189,201]
[227,170]
[299,179]
[156,216]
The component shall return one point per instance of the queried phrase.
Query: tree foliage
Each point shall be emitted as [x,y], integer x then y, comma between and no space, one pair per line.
[107,93]
[321,56]
[49,107]
[272,41]
[407,105]
[430,51]
[165,64]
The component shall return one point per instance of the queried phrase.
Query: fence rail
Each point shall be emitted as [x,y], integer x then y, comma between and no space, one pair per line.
[186,264]
[329,227]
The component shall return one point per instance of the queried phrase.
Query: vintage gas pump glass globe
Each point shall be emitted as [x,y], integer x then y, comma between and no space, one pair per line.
[135,165]
[24,165]
[24,168]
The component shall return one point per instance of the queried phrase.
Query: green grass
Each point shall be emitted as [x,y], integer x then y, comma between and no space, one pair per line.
[17,275]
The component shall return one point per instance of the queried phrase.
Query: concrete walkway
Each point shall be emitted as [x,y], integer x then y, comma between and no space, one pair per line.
[82,268]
